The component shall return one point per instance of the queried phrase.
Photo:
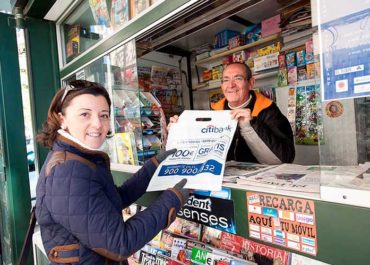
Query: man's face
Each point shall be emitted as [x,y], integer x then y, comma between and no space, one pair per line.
[235,85]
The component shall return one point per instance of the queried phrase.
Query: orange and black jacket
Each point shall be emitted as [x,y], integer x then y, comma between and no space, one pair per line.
[271,126]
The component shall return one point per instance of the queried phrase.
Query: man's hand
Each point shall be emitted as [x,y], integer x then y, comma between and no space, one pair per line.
[173,119]
[241,115]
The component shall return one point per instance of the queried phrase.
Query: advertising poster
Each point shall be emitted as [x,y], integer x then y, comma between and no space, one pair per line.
[283,221]
[210,211]
[201,151]
[345,44]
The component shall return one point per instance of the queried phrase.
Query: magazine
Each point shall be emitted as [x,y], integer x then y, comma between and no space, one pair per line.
[125,147]
[120,12]
[185,228]
[100,12]
[211,236]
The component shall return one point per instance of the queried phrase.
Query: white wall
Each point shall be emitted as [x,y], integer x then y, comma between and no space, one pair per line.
[339,146]
[340,142]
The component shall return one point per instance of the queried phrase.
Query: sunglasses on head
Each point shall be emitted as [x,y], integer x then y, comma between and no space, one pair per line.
[77,85]
[67,88]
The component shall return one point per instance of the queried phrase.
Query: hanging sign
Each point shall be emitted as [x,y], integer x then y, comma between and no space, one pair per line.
[210,211]
[284,221]
[345,43]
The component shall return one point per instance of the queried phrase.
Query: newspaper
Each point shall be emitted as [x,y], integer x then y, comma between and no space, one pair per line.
[293,177]
[238,170]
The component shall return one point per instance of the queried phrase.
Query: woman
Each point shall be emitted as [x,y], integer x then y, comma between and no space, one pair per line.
[78,207]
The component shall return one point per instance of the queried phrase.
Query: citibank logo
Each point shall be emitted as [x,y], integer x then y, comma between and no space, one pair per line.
[213,129]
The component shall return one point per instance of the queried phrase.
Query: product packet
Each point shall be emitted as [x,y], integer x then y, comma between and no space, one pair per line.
[202,140]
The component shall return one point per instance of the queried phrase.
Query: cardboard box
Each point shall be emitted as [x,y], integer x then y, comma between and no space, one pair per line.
[236,41]
[270,26]
[253,33]
[222,38]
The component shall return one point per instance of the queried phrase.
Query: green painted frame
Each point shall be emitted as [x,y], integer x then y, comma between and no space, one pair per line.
[45,79]
[14,142]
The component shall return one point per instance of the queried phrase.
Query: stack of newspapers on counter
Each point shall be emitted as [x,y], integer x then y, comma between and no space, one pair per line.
[342,184]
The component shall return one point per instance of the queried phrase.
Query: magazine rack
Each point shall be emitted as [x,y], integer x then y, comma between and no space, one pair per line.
[342,230]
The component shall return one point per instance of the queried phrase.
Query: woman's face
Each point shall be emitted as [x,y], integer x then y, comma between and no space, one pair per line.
[87,119]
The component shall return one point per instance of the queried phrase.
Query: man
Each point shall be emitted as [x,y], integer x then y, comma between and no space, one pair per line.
[264,134]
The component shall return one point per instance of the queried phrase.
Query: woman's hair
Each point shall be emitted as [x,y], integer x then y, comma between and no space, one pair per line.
[61,101]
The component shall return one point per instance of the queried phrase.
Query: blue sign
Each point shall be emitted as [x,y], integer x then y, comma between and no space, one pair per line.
[345,56]
[210,166]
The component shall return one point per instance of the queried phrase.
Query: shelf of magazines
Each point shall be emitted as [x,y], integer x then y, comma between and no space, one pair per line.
[137,127]
[187,242]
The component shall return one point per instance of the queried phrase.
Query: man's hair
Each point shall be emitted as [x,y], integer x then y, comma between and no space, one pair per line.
[248,72]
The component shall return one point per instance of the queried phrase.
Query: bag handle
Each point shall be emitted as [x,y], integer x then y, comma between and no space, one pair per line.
[28,239]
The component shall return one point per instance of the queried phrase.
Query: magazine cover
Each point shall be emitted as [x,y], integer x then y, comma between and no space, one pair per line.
[138,6]
[147,258]
[159,77]
[125,148]
[100,12]
[73,42]
[292,75]
[211,236]
[290,59]
[301,74]
[311,71]
[281,60]
[230,242]
[161,259]
[130,55]
[120,12]
[144,77]
[264,254]
[166,240]
[185,228]
[218,258]
[309,57]
[199,255]
[282,77]
[301,57]
[178,247]
[291,108]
